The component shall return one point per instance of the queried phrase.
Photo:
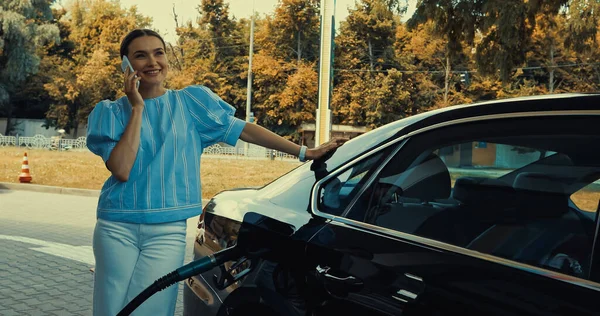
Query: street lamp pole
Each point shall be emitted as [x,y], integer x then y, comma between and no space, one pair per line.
[249,88]
[323,121]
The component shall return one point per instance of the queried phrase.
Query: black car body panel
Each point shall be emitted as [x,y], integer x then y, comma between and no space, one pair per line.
[337,265]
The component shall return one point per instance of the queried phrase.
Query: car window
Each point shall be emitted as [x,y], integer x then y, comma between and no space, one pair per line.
[587,198]
[336,193]
[516,197]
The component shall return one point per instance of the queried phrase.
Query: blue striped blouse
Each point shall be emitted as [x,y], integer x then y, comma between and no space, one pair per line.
[164,184]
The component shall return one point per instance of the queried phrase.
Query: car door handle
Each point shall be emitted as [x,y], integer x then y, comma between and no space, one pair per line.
[345,280]
[412,292]
[405,296]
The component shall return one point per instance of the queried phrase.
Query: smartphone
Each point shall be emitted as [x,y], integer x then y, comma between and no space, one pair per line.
[124,65]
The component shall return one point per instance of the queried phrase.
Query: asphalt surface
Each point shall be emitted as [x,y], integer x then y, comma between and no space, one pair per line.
[46,253]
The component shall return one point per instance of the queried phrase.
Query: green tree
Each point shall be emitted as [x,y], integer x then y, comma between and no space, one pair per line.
[561,47]
[24,28]
[582,40]
[213,52]
[215,19]
[507,29]
[293,31]
[583,18]
[454,23]
[367,88]
[230,51]
[367,35]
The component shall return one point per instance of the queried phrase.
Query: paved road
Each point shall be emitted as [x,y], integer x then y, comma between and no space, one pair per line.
[46,253]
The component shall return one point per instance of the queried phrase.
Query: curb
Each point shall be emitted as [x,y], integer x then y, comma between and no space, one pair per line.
[54,190]
[48,189]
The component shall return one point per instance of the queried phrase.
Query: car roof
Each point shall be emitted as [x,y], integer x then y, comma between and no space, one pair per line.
[541,103]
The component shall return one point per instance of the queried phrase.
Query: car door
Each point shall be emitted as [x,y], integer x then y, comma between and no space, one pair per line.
[501,235]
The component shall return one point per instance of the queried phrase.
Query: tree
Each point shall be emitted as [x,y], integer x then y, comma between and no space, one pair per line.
[285,94]
[372,98]
[454,23]
[224,64]
[367,35]
[24,28]
[561,47]
[293,32]
[196,58]
[583,39]
[547,51]
[421,54]
[90,72]
[367,88]
[506,26]
[583,18]
[295,104]
[215,19]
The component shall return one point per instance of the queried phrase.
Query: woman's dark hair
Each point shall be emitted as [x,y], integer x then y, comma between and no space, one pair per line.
[135,34]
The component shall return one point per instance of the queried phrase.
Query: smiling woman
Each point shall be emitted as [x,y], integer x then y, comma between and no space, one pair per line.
[151,141]
[145,50]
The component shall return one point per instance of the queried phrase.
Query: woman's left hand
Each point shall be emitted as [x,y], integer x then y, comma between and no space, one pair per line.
[318,152]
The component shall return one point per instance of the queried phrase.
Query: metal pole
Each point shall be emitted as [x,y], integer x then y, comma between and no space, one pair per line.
[323,119]
[249,88]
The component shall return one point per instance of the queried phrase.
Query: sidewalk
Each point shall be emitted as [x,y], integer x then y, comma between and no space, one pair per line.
[46,250]
[47,189]
[81,193]
[54,190]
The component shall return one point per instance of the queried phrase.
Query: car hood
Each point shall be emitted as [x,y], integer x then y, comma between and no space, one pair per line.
[234,204]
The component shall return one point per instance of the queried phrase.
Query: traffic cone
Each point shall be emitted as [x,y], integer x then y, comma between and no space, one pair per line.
[25,177]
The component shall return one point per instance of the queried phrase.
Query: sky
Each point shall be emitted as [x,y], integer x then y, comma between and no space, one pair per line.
[162,11]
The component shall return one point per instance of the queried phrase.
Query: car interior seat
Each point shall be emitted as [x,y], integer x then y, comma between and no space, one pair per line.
[538,225]
[425,181]
[479,203]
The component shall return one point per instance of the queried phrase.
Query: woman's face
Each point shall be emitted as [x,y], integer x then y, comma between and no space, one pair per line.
[147,55]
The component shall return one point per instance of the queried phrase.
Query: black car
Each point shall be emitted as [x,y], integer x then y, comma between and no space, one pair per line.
[488,209]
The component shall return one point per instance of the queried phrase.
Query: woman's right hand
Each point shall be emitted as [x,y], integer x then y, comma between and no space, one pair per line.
[133,95]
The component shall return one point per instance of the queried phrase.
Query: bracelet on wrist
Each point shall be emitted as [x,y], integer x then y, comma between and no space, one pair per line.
[302,155]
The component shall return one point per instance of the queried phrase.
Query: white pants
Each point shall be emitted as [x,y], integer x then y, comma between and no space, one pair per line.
[129,258]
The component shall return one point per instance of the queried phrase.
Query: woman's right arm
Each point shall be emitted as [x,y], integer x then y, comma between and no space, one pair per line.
[123,155]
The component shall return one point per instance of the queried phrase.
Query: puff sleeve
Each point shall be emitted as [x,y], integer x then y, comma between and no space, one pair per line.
[212,117]
[104,128]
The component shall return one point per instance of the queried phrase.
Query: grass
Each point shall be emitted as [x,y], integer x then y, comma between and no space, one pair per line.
[85,170]
[586,200]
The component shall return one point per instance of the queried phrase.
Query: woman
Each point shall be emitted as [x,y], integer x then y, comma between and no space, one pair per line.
[151,141]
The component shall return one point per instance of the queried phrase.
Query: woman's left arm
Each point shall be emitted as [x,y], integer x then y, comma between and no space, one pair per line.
[261,136]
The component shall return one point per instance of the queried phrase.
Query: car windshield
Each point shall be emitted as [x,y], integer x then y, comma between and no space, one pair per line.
[365,142]
[292,190]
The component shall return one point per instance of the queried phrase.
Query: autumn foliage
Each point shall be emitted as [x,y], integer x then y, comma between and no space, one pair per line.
[387,65]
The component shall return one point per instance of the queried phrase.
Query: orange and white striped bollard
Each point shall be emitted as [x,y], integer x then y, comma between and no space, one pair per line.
[25,177]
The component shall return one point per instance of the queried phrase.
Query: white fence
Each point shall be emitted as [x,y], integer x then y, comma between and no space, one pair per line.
[79,144]
[36,127]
